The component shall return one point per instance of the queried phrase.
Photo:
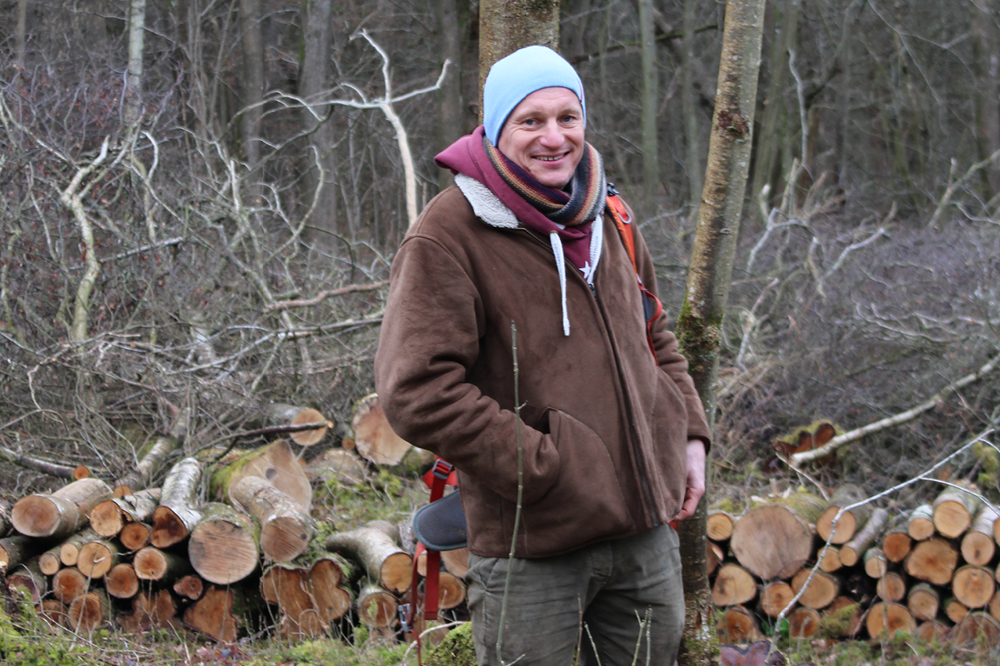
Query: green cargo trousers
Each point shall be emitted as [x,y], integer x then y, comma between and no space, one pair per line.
[594,598]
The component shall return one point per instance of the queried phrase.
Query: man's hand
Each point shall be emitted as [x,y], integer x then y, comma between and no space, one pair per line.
[695,487]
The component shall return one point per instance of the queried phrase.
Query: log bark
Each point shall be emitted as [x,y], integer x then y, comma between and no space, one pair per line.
[97,557]
[376,551]
[274,462]
[954,509]
[376,606]
[876,564]
[889,618]
[155,457]
[17,549]
[821,591]
[933,561]
[891,587]
[224,546]
[150,610]
[190,587]
[921,523]
[61,513]
[713,557]
[803,622]
[774,597]
[177,513]
[109,517]
[737,625]
[923,602]
[868,536]
[897,542]
[978,544]
[719,525]
[5,525]
[136,535]
[122,582]
[164,567]
[213,614]
[280,414]
[69,550]
[733,586]
[774,540]
[850,522]
[977,628]
[89,611]
[285,527]
[374,438]
[973,586]
[68,584]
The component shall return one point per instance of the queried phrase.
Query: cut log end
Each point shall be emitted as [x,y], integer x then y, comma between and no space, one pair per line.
[309,437]
[106,519]
[168,528]
[121,582]
[285,538]
[35,516]
[222,552]
[888,618]
[135,536]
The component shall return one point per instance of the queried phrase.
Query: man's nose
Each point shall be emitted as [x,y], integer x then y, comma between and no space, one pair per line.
[552,136]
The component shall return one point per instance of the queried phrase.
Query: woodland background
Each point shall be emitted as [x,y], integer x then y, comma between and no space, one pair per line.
[175,210]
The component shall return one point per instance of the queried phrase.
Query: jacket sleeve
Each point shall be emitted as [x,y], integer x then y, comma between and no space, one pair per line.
[669,358]
[429,339]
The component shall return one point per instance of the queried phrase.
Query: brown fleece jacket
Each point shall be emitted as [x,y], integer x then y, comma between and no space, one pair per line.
[603,429]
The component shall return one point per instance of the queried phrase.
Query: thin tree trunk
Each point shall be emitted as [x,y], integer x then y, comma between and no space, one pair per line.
[700,322]
[450,96]
[253,78]
[650,97]
[133,84]
[986,88]
[21,33]
[690,112]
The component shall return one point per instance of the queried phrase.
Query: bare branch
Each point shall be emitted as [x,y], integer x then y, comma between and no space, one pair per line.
[323,295]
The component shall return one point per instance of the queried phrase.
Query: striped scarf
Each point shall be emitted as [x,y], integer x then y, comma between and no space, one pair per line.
[587,188]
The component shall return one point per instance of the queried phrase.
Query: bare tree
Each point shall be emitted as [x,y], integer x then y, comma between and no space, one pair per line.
[505,27]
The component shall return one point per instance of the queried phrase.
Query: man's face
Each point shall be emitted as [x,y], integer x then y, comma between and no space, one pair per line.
[544,135]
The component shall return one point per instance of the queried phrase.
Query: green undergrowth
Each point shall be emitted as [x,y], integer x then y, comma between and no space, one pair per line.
[26,640]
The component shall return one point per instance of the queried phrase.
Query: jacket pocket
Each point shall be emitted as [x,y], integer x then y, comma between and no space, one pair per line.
[669,428]
[585,503]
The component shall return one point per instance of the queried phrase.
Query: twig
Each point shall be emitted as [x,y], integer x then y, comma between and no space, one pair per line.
[954,185]
[323,295]
[43,466]
[908,415]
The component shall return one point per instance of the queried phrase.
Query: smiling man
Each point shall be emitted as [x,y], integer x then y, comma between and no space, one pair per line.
[612,439]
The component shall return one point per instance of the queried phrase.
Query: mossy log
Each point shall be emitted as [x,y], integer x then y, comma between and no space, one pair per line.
[285,527]
[896,541]
[775,597]
[224,546]
[850,522]
[737,625]
[69,550]
[720,525]
[978,543]
[152,609]
[177,513]
[376,606]
[274,462]
[136,535]
[110,516]
[923,602]
[122,582]
[842,618]
[891,587]
[976,628]
[68,584]
[973,586]
[864,538]
[59,514]
[803,622]
[162,566]
[821,590]
[888,618]
[293,415]
[775,539]
[89,611]
[190,587]
[374,548]
[97,557]
[733,586]
[921,523]
[17,549]
[954,509]
[933,560]
[216,613]
[28,577]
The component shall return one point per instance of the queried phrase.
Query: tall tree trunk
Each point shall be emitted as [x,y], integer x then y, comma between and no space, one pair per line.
[450,95]
[699,326]
[986,69]
[319,184]
[650,97]
[21,34]
[508,25]
[690,112]
[133,84]
[253,78]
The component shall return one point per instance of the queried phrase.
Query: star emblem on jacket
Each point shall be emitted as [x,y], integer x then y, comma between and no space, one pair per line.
[588,272]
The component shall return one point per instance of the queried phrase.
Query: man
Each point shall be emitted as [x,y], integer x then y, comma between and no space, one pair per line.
[612,441]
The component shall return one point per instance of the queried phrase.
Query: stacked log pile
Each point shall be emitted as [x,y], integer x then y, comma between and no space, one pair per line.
[253,557]
[931,571]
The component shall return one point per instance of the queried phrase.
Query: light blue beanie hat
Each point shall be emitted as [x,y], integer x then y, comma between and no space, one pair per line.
[516,76]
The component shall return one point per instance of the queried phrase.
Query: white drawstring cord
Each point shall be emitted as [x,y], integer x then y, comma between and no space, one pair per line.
[557,250]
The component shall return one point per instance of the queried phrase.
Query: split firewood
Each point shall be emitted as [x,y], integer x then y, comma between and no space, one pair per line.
[923,602]
[803,622]
[374,438]
[150,610]
[896,541]
[281,414]
[891,587]
[921,523]
[151,563]
[285,527]
[733,586]
[288,586]
[876,564]
[177,513]
[274,462]
[955,610]
[842,618]
[68,584]
[69,550]
[720,525]
[217,613]
[774,539]
[89,611]
[224,546]
[850,522]
[29,578]
[821,591]
[59,514]
[933,561]
[17,549]
[122,582]
[48,562]
[831,561]
[889,618]
[374,548]
[376,606]
[737,625]
[97,557]
[136,535]
[190,587]
[774,597]
[978,544]
[973,586]
[978,628]
[933,630]
[864,538]
[713,557]
[954,509]
[110,516]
